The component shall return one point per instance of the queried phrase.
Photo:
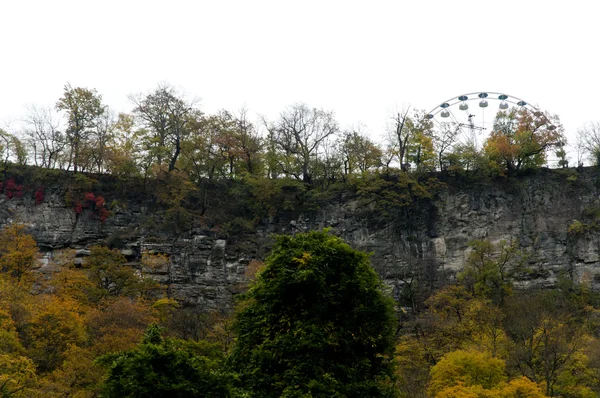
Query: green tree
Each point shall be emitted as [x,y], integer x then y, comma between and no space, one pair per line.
[164,114]
[410,139]
[315,323]
[108,272]
[163,367]
[359,153]
[11,150]
[490,269]
[83,107]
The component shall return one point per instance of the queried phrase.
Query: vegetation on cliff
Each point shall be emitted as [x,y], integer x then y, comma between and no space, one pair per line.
[314,322]
[182,160]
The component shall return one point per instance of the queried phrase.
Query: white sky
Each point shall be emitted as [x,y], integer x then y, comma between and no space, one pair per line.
[361,59]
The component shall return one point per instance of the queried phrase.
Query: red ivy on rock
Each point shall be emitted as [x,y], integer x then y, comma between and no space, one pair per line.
[95,203]
[12,189]
[39,195]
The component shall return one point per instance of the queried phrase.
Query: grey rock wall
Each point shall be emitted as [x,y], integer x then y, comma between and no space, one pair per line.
[207,270]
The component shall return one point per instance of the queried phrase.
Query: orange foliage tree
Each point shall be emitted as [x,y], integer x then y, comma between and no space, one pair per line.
[520,139]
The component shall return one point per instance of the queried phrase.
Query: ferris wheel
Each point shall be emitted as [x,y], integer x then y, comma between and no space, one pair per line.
[470,116]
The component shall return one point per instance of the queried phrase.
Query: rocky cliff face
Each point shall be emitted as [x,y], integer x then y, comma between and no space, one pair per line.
[431,239]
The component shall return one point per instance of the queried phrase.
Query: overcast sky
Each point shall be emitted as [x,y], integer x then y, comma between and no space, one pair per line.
[361,59]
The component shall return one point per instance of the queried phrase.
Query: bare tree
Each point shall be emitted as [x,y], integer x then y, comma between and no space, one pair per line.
[402,134]
[588,138]
[445,139]
[406,132]
[250,143]
[298,134]
[100,141]
[44,137]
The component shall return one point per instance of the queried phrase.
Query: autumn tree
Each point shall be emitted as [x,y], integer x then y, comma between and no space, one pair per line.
[248,144]
[421,151]
[164,115]
[54,325]
[521,138]
[211,151]
[491,268]
[589,137]
[18,251]
[100,142]
[444,141]
[107,271]
[359,153]
[468,368]
[546,336]
[12,150]
[316,322]
[299,136]
[125,155]
[82,107]
[409,136]
[474,374]
[16,374]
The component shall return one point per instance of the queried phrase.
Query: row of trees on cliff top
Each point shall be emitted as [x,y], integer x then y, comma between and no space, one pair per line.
[167,131]
[315,321]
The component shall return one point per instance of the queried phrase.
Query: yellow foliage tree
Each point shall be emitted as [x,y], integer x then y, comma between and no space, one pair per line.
[54,326]
[520,387]
[466,367]
[18,251]
[16,374]
[469,374]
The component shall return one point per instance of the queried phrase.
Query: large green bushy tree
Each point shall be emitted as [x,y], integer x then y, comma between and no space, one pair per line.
[315,323]
[160,367]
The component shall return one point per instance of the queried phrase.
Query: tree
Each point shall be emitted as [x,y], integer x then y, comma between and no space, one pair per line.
[164,367]
[18,251]
[108,272]
[299,134]
[83,107]
[11,150]
[466,368]
[316,322]
[210,152]
[44,137]
[164,114]
[55,325]
[359,153]
[125,157]
[521,138]
[589,137]
[546,336]
[421,152]
[408,135]
[16,374]
[445,139]
[490,269]
[249,144]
